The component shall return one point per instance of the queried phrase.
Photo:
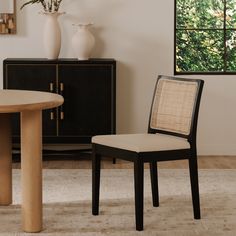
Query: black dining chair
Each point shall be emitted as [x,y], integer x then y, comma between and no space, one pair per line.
[171,136]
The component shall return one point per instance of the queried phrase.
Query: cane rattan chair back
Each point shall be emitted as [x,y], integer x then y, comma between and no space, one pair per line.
[173,105]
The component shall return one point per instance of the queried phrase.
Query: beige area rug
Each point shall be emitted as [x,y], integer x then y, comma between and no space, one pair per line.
[67,204]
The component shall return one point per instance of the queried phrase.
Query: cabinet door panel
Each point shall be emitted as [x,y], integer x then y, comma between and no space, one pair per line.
[32,77]
[88,92]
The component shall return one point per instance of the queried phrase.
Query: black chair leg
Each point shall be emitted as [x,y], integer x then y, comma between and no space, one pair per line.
[114,160]
[154,183]
[96,169]
[138,185]
[193,169]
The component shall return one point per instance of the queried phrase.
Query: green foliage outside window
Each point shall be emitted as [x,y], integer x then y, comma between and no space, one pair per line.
[205,36]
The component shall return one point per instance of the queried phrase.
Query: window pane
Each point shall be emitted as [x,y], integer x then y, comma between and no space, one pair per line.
[199,14]
[231,50]
[199,51]
[231,14]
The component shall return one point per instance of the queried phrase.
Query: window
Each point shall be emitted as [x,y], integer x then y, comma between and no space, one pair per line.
[205,36]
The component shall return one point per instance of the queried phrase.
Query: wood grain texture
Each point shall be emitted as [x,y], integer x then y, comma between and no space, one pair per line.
[31,179]
[30,104]
[5,160]
[24,100]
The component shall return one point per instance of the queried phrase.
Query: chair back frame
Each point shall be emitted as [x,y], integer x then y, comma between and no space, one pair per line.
[191,137]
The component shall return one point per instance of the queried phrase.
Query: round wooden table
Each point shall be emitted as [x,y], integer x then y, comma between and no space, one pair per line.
[30,104]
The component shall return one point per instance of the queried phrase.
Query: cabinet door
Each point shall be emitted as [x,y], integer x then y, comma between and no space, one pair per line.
[33,77]
[88,93]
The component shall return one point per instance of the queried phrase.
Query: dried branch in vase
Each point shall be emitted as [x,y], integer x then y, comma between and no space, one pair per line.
[48,5]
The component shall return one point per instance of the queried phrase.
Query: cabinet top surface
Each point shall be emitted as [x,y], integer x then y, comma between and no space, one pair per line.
[61,60]
[24,100]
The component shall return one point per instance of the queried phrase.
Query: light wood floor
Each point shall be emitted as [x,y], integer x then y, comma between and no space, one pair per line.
[204,162]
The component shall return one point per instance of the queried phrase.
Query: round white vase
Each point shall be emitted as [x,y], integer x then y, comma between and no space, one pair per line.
[83,42]
[52,35]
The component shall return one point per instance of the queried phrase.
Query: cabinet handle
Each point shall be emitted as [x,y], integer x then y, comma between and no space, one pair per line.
[51,87]
[52,115]
[62,115]
[61,87]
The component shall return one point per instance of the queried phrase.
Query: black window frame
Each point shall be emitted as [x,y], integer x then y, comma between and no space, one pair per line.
[225,29]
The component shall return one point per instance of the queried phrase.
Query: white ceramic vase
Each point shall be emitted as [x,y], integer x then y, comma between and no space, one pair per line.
[52,35]
[83,42]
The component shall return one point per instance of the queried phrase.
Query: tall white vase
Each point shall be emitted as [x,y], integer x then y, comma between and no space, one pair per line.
[52,35]
[83,42]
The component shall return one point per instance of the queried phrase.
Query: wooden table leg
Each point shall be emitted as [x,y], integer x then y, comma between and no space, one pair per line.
[5,160]
[31,170]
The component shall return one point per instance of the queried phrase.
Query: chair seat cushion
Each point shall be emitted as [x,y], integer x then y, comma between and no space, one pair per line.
[142,142]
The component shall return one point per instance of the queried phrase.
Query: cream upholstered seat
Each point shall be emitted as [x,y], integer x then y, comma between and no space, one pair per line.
[142,142]
[171,135]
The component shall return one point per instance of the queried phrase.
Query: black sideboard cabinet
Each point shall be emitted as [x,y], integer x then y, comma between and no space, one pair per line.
[89,90]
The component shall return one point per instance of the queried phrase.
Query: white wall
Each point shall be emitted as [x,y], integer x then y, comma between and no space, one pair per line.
[139,35]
